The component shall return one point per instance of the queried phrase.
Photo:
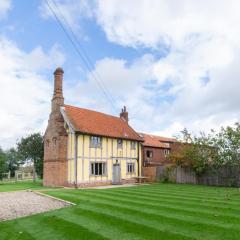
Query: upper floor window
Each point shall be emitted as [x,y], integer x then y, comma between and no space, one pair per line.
[130,167]
[149,154]
[95,142]
[166,152]
[98,168]
[133,145]
[119,143]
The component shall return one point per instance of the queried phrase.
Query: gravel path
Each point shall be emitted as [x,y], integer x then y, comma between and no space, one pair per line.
[23,203]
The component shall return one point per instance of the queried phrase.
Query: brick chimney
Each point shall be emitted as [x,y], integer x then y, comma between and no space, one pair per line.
[124,114]
[55,139]
[58,100]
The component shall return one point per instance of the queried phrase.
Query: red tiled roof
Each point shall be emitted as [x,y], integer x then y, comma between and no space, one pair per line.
[156,141]
[97,123]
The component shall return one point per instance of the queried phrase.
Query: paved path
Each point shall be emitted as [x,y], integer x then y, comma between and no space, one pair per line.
[23,203]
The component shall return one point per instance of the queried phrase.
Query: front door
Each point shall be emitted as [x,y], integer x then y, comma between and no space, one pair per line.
[116,174]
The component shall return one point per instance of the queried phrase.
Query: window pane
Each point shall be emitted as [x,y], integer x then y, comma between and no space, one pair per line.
[100,169]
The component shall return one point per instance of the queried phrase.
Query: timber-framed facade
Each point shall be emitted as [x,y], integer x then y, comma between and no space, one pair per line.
[87,148]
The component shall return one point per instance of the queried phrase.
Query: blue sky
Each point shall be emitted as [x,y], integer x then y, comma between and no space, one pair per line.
[167,62]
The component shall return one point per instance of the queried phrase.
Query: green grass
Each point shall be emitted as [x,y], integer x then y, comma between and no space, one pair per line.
[15,186]
[158,211]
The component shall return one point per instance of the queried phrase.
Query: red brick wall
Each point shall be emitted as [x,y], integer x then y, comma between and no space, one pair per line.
[158,156]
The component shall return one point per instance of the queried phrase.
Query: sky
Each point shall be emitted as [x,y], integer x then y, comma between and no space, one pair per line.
[174,64]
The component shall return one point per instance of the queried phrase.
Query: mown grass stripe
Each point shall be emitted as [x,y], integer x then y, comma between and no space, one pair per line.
[121,228]
[179,201]
[234,195]
[186,189]
[223,221]
[162,197]
[225,200]
[232,213]
[183,227]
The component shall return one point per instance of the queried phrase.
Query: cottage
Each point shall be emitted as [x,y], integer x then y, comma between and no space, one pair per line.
[156,149]
[87,148]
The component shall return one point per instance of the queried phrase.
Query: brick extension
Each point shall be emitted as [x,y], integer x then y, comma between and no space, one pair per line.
[55,139]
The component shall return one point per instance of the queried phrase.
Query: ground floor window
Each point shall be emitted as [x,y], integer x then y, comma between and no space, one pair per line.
[130,167]
[98,168]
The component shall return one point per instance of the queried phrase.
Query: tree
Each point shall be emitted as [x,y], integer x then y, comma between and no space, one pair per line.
[12,160]
[30,149]
[2,162]
[194,152]
[227,142]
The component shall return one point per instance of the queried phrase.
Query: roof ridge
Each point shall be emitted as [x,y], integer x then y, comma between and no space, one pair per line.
[153,135]
[93,111]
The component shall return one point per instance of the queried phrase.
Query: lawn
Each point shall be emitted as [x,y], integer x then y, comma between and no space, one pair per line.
[158,211]
[24,185]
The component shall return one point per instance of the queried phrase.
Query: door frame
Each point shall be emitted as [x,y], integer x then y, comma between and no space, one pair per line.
[120,175]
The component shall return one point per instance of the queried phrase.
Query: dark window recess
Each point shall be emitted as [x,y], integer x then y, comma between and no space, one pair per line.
[130,168]
[149,154]
[166,152]
[133,145]
[98,169]
[119,143]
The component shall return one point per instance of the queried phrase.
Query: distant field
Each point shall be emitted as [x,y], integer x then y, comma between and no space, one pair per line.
[158,211]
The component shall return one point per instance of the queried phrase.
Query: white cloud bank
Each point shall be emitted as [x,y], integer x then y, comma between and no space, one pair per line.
[201,68]
[24,97]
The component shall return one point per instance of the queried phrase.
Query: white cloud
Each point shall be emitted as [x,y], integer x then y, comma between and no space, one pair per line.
[202,66]
[194,85]
[5,6]
[72,11]
[25,93]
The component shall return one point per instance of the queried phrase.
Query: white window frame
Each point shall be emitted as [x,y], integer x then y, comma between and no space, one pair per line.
[93,169]
[95,142]
[128,167]
[166,152]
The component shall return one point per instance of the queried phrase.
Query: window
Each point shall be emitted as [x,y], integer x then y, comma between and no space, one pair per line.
[95,142]
[149,154]
[166,152]
[47,143]
[133,145]
[98,168]
[130,167]
[54,141]
[119,143]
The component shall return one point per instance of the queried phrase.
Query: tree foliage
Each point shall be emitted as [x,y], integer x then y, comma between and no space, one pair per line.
[2,162]
[12,160]
[204,151]
[30,149]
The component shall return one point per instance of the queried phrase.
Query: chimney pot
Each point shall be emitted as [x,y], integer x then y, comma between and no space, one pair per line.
[124,114]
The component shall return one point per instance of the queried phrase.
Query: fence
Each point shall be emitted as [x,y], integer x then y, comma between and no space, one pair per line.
[19,176]
[224,176]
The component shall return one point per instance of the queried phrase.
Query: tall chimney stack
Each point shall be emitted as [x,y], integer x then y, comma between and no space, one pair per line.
[58,100]
[124,114]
